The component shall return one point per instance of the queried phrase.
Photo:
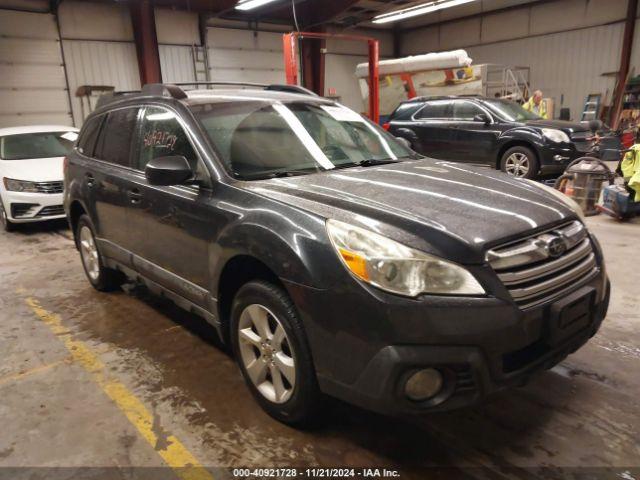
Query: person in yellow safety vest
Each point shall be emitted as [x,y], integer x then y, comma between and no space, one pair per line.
[537,105]
[631,169]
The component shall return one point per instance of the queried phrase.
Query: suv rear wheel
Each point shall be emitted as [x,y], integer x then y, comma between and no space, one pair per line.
[4,220]
[101,278]
[271,349]
[520,162]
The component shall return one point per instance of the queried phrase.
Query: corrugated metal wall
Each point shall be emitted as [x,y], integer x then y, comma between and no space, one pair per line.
[98,47]
[570,45]
[177,32]
[565,66]
[32,80]
[243,55]
[100,63]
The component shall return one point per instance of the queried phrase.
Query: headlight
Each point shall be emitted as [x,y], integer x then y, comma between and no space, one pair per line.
[19,185]
[568,201]
[393,267]
[554,135]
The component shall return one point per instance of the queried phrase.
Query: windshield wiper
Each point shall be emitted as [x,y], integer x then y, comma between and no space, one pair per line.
[367,162]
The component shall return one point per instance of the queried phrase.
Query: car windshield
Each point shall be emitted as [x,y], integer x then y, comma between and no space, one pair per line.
[510,111]
[24,146]
[258,139]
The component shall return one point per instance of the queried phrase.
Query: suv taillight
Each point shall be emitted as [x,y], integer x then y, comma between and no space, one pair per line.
[386,125]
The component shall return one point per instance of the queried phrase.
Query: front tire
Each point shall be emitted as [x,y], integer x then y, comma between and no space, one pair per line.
[7,225]
[101,278]
[271,349]
[520,162]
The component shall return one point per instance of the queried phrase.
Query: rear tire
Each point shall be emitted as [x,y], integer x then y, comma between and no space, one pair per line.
[7,225]
[520,162]
[101,278]
[271,349]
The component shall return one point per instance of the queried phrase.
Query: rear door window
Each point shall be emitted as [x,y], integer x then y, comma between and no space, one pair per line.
[87,141]
[466,111]
[162,135]
[435,110]
[114,142]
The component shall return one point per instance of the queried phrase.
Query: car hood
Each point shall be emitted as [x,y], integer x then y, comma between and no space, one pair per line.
[567,127]
[35,170]
[458,210]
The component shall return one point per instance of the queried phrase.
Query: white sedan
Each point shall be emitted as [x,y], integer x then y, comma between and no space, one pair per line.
[31,164]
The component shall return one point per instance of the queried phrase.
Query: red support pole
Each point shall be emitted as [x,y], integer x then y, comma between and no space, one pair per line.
[374,79]
[289,41]
[144,31]
[315,79]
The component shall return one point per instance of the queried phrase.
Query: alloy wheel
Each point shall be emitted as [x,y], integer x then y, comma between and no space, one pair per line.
[89,253]
[266,353]
[517,165]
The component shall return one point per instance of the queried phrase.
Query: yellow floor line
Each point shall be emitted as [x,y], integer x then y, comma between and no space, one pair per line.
[175,454]
[42,368]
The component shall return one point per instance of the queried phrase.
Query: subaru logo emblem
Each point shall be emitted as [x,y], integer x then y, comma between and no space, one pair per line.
[556,247]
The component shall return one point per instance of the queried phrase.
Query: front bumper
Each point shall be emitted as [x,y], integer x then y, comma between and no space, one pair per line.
[365,351]
[556,159]
[24,207]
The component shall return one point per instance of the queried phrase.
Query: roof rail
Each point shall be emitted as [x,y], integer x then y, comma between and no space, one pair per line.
[162,89]
[174,90]
[274,86]
[107,98]
[291,89]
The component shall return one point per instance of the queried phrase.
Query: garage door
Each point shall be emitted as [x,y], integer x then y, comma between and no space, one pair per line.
[32,80]
[242,55]
[100,63]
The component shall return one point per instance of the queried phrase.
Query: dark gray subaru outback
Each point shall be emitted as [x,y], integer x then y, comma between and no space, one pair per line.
[330,257]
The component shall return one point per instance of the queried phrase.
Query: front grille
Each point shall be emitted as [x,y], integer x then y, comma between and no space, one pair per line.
[49,187]
[22,210]
[51,210]
[465,383]
[539,268]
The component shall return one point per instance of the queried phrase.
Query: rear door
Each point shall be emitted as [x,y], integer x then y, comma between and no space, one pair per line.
[110,182]
[473,141]
[433,129]
[174,225]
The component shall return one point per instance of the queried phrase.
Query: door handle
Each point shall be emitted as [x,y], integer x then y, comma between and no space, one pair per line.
[134,195]
[91,181]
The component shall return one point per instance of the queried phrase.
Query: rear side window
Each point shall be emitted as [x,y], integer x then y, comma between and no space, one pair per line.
[438,109]
[114,142]
[463,110]
[87,141]
[161,136]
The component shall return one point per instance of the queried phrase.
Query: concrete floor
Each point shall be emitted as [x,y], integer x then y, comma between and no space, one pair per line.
[57,412]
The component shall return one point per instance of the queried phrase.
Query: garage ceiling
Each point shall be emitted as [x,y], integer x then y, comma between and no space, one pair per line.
[350,13]
[343,13]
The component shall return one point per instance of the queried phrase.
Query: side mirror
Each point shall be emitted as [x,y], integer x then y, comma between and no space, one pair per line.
[482,118]
[404,142]
[170,170]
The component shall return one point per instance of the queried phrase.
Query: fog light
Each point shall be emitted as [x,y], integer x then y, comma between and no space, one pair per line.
[423,384]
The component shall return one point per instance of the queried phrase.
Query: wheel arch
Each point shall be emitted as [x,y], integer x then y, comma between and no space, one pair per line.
[515,143]
[238,271]
[76,210]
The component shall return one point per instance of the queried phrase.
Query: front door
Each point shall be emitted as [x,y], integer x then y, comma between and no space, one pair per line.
[474,141]
[175,225]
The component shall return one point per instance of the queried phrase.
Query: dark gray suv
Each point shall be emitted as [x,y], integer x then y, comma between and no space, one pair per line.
[330,257]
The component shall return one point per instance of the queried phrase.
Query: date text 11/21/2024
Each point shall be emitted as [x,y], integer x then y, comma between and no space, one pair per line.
[315,473]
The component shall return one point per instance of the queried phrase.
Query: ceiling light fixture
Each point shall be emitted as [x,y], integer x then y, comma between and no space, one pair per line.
[251,4]
[416,10]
